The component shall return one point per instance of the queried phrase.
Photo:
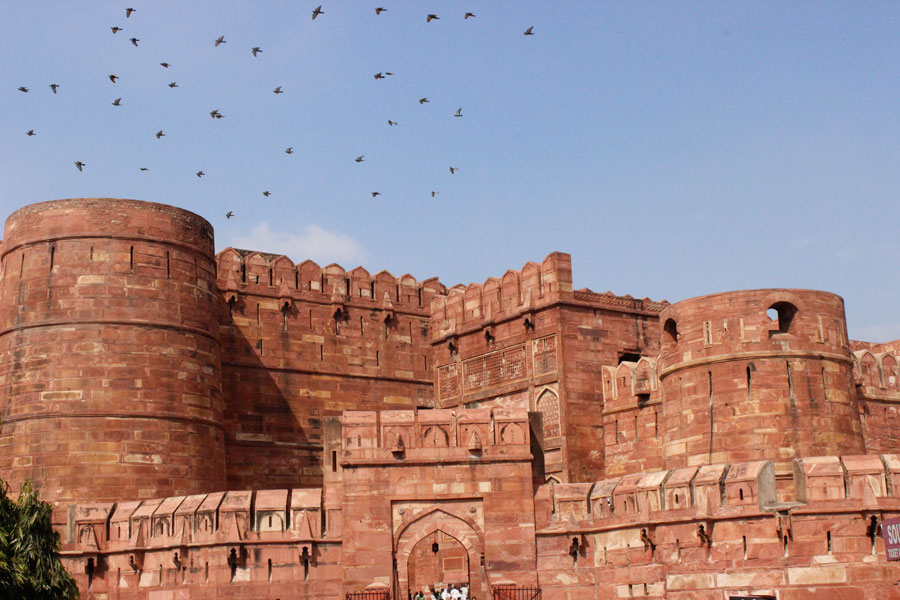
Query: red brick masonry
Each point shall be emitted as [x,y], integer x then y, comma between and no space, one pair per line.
[240,426]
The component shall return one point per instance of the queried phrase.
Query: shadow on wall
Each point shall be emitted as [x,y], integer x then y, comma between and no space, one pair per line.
[272,418]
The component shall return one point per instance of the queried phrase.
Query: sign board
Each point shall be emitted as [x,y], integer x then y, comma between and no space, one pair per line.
[890,530]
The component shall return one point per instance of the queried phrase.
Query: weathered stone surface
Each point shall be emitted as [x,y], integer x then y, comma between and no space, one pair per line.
[241,426]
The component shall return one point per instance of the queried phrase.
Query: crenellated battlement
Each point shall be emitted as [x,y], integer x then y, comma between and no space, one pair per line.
[275,275]
[521,292]
[498,299]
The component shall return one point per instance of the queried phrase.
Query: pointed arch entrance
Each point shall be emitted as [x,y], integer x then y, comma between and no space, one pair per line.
[438,559]
[460,557]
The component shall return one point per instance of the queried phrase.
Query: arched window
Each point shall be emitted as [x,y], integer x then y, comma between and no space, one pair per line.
[784,313]
[670,334]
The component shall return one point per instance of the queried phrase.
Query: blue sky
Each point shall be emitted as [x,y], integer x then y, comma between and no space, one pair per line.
[673,148]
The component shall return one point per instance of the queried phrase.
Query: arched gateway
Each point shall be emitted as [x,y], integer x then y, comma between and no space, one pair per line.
[437,547]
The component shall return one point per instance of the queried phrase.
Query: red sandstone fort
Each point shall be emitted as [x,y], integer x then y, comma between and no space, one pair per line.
[237,425]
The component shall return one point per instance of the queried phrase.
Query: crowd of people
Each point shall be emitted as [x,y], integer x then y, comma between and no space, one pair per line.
[450,592]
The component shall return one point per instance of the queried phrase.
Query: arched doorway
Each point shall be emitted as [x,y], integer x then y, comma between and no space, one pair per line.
[456,536]
[438,560]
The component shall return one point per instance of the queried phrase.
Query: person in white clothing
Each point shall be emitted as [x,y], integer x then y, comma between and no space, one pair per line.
[454,593]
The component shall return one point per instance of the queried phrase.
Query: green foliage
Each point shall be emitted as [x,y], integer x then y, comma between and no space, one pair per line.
[30,568]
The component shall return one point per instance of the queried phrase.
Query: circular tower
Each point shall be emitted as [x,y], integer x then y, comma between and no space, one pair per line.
[757,375]
[109,351]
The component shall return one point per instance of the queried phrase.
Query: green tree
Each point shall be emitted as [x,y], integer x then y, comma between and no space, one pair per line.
[30,568]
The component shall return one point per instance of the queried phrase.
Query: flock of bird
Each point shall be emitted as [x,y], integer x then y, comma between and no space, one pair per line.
[256,50]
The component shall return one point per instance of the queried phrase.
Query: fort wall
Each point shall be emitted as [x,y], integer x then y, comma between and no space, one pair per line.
[528,340]
[693,532]
[716,531]
[303,343]
[241,426]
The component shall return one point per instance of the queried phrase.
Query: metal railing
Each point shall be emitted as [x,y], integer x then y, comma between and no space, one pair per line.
[515,593]
[370,595]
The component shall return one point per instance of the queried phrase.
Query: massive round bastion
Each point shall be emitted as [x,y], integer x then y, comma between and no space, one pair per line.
[109,351]
[757,375]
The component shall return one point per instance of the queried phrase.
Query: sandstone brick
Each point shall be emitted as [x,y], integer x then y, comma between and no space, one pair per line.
[143,370]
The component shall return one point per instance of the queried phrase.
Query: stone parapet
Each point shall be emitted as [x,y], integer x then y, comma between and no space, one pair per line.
[413,437]
[848,483]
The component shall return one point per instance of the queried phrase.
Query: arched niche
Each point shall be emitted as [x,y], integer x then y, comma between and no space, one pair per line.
[548,405]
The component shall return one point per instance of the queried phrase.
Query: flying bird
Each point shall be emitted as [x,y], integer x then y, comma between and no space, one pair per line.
[144,169]
[30,132]
[215,114]
[229,214]
[379,76]
[53,87]
[290,150]
[360,158]
[135,41]
[116,30]
[430,18]
[80,165]
[256,50]
[117,102]
[423,100]
[160,134]
[468,15]
[391,123]
[164,65]
[318,11]
[128,12]
[23,89]
[376,194]
[433,193]
[380,10]
[220,40]
[200,174]
[267,193]
[277,90]
[174,84]
[113,78]
[529,31]
[458,112]
[388,73]
[453,170]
